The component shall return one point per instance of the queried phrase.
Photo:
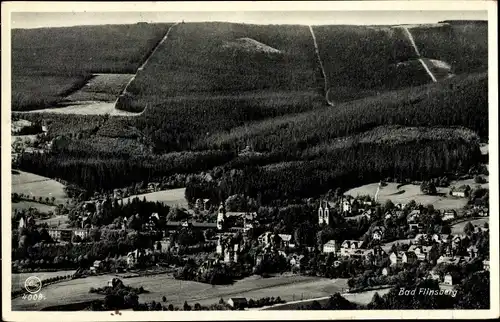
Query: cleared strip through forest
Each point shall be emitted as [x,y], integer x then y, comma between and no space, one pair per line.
[320,64]
[410,37]
[147,60]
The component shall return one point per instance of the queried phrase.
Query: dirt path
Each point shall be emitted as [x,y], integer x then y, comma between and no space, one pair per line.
[320,65]
[412,41]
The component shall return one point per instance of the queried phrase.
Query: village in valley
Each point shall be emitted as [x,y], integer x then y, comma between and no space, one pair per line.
[366,243]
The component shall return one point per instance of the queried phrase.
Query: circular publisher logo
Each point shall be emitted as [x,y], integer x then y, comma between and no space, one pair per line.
[33,284]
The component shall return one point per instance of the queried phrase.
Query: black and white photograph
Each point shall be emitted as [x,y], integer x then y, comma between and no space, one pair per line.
[241,160]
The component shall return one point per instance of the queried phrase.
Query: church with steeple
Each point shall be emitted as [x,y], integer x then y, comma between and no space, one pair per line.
[323,213]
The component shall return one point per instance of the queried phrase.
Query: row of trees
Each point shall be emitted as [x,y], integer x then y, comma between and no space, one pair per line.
[98,172]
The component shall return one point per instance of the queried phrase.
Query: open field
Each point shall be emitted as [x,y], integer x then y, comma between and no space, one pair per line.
[407,193]
[86,108]
[60,221]
[171,197]
[19,278]
[102,87]
[25,205]
[34,185]
[459,227]
[178,291]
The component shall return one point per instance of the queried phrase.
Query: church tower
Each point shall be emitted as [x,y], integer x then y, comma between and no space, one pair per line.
[221,216]
[320,214]
[323,214]
[326,214]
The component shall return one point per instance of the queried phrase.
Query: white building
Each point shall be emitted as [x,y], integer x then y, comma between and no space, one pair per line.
[330,247]
[346,206]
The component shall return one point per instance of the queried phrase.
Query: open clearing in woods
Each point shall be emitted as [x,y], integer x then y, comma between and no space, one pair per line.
[87,108]
[170,197]
[37,186]
[408,192]
[102,87]
[25,205]
[176,291]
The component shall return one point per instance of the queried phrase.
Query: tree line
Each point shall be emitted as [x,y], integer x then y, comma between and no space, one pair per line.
[342,168]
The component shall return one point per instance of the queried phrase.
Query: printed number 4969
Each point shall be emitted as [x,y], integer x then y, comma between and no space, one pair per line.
[33,297]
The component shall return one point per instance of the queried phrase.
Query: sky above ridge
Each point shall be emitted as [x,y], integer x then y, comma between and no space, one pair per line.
[63,19]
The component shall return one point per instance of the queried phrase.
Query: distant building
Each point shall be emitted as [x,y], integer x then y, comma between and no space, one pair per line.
[448,279]
[461,191]
[238,302]
[265,238]
[330,247]
[448,260]
[96,267]
[449,215]
[486,265]
[346,205]
[420,251]
[402,258]
[473,251]
[285,240]
[26,221]
[378,233]
[82,233]
[348,246]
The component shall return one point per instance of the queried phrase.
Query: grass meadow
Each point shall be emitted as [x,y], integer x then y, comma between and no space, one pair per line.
[171,197]
[177,291]
[37,186]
